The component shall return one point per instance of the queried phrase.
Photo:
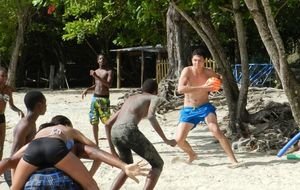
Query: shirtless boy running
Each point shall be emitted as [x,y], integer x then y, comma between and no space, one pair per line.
[126,136]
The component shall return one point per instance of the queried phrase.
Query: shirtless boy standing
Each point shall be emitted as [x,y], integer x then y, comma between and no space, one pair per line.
[194,83]
[100,105]
[126,136]
[25,130]
[5,96]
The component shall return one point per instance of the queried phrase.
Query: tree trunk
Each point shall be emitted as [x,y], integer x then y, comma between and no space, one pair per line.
[242,114]
[206,31]
[59,78]
[178,43]
[272,40]
[23,16]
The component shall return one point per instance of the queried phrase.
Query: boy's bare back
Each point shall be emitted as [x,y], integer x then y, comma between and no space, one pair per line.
[137,107]
[23,133]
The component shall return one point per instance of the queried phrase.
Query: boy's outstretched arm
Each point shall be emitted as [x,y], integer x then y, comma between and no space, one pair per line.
[152,118]
[83,94]
[160,132]
[13,107]
[108,127]
[131,170]
[12,162]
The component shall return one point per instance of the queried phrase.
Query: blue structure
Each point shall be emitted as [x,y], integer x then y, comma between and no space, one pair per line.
[258,73]
[290,143]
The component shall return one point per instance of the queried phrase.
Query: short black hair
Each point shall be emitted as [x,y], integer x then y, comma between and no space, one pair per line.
[150,86]
[199,52]
[45,125]
[61,120]
[101,54]
[3,69]
[32,98]
[56,120]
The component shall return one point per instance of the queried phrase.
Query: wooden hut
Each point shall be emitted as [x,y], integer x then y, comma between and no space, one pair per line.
[142,52]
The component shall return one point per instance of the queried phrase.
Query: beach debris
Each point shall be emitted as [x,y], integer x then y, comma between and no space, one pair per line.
[271,128]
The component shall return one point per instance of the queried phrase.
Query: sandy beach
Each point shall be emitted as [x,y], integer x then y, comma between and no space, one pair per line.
[209,172]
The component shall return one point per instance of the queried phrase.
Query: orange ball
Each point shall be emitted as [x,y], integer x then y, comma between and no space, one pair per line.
[216,83]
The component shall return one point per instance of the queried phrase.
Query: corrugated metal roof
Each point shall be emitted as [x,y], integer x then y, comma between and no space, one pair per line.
[157,48]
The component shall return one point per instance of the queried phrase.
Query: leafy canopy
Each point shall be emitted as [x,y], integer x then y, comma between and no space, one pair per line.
[126,22]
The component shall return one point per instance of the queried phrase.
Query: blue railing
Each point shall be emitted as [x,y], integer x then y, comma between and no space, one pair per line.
[258,73]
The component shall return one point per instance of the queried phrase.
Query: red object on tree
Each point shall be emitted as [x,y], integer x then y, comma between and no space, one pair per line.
[51,9]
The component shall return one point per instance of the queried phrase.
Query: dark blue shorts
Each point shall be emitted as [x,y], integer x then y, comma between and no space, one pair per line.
[196,115]
[51,179]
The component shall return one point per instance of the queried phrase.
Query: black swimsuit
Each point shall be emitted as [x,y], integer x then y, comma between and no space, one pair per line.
[45,152]
[2,118]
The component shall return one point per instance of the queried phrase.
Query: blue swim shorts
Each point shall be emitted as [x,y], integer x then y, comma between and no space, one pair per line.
[196,115]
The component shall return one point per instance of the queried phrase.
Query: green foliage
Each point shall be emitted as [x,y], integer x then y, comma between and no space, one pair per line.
[143,22]
[80,28]
[221,16]
[288,21]
[82,20]
[125,23]
[7,30]
[140,22]
[9,11]
[8,24]
[79,10]
[40,3]
[38,27]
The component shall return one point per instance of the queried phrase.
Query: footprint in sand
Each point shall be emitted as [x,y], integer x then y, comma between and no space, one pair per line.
[177,159]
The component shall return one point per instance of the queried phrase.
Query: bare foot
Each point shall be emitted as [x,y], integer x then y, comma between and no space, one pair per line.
[237,165]
[192,158]
[177,159]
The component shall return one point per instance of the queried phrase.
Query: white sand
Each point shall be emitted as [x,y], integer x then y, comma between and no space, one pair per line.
[209,171]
